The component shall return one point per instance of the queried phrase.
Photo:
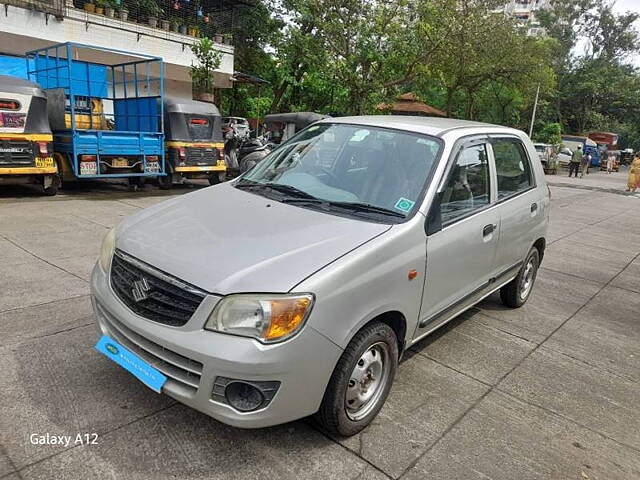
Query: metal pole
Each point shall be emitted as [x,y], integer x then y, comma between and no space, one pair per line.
[533,115]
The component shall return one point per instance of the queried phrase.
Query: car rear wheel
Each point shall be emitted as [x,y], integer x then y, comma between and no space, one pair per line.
[361,381]
[517,292]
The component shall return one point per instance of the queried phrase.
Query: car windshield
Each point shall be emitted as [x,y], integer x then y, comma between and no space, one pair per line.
[366,171]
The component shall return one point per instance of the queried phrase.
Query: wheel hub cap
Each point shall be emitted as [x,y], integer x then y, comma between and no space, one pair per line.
[367,381]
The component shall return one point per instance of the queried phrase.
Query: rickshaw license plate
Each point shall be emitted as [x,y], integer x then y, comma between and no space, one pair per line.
[12,120]
[44,162]
[151,377]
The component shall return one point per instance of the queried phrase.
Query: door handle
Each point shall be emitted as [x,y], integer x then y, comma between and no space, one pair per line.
[534,207]
[488,230]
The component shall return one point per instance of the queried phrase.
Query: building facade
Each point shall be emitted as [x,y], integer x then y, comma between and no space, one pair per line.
[166,32]
[525,12]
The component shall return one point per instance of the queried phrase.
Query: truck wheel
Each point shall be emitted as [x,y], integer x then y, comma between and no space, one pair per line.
[516,293]
[361,381]
[51,189]
[135,183]
[166,182]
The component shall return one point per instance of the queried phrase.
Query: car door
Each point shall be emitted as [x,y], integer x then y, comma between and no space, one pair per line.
[520,202]
[461,252]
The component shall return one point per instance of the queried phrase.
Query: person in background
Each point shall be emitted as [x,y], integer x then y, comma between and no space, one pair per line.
[574,164]
[633,181]
[611,160]
[584,164]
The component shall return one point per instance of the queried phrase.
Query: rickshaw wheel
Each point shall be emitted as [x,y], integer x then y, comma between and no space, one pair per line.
[217,177]
[52,189]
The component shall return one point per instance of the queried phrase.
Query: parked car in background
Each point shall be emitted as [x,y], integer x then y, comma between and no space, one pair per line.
[548,157]
[564,156]
[345,246]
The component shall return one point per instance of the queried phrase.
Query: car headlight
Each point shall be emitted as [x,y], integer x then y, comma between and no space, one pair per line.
[107,249]
[266,317]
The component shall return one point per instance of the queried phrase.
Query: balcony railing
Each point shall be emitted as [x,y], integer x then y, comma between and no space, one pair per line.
[216,19]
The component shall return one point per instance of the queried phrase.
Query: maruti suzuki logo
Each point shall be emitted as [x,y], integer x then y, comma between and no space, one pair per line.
[140,290]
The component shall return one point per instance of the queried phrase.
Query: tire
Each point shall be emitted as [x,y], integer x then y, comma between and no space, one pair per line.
[52,189]
[217,177]
[165,182]
[516,293]
[374,349]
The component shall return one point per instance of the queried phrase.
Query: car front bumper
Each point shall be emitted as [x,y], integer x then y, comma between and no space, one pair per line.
[192,358]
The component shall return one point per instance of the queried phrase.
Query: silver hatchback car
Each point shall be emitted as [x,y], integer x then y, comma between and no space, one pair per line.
[294,289]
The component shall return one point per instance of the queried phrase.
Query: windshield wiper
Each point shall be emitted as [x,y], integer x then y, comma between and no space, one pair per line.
[288,190]
[367,207]
[353,206]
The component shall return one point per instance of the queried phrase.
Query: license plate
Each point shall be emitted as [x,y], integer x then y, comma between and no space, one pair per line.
[44,162]
[152,167]
[140,369]
[88,168]
[12,120]
[221,163]
[120,162]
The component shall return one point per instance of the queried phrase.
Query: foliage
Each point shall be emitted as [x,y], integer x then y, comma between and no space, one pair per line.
[462,56]
[208,61]
[551,133]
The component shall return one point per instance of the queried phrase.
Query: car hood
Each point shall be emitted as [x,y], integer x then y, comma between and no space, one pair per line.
[224,240]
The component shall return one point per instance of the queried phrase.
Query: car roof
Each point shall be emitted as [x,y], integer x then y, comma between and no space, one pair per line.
[427,125]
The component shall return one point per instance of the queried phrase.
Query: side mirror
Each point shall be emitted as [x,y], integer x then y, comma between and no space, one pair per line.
[434,217]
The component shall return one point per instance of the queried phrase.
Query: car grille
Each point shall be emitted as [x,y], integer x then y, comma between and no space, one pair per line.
[153,294]
[185,372]
[21,154]
[201,156]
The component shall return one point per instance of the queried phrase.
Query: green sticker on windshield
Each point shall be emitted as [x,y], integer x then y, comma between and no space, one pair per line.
[404,204]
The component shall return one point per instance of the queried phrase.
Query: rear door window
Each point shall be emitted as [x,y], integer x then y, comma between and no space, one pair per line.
[513,168]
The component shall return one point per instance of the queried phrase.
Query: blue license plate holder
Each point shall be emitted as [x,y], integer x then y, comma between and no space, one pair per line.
[151,377]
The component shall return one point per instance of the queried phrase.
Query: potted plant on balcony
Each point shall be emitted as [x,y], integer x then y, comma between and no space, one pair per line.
[152,10]
[89,7]
[175,25]
[193,30]
[165,25]
[123,12]
[227,38]
[100,4]
[208,59]
[217,38]
[110,8]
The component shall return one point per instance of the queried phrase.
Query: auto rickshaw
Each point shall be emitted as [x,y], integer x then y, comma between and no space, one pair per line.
[194,142]
[26,142]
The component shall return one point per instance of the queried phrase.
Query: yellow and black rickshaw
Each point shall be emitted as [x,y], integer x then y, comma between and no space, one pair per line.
[26,142]
[194,142]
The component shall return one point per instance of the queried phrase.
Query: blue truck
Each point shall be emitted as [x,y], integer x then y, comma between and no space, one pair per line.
[588,146]
[106,118]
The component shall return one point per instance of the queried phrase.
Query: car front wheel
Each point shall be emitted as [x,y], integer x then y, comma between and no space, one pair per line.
[361,381]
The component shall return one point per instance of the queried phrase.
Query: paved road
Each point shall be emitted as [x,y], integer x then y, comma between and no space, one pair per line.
[550,391]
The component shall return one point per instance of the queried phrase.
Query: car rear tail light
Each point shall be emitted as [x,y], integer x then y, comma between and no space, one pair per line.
[181,153]
[220,154]
[87,158]
[152,158]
